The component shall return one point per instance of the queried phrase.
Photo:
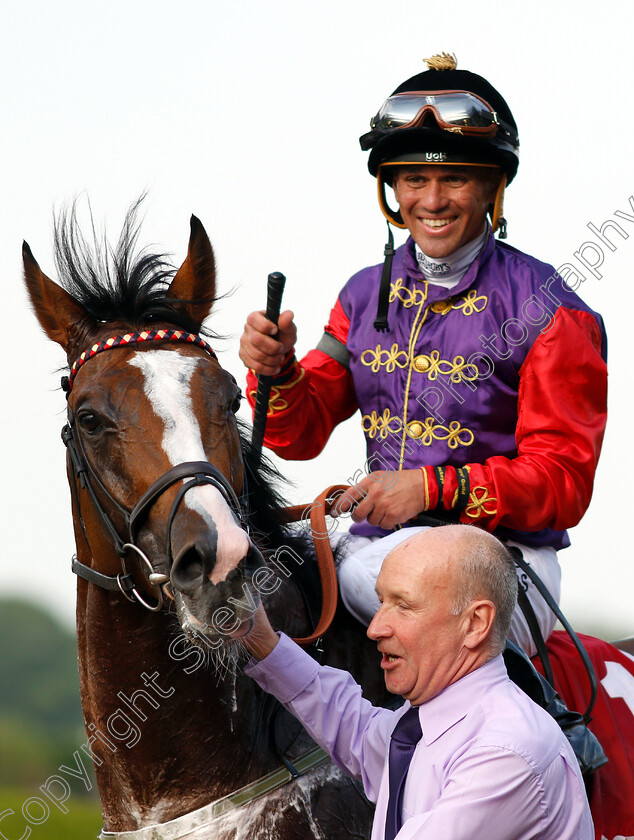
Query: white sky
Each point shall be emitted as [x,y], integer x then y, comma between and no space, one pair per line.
[247,114]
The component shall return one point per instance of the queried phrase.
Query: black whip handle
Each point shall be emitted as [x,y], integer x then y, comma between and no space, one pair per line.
[275,289]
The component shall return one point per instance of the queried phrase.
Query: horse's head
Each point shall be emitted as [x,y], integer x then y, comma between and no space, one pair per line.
[155,461]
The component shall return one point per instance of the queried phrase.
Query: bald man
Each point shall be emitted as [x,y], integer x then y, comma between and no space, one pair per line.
[484,761]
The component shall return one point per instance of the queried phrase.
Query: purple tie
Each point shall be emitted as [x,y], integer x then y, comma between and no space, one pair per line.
[407,733]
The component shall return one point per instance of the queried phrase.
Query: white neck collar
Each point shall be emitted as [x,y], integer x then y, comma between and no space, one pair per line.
[449,271]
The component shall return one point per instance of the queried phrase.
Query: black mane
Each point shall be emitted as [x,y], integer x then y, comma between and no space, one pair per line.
[267,526]
[120,283]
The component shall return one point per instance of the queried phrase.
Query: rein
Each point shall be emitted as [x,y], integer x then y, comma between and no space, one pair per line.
[317,512]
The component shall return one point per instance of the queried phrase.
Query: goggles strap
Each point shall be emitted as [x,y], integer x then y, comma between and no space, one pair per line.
[381,324]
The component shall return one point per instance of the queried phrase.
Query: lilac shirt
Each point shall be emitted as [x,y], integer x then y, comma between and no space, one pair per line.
[491,764]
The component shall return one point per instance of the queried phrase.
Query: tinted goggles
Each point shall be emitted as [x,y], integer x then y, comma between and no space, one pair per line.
[454,110]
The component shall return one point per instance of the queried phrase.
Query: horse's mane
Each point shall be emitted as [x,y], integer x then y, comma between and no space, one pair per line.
[265,499]
[119,283]
[267,525]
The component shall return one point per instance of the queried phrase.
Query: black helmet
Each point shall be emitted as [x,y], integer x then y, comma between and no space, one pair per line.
[442,116]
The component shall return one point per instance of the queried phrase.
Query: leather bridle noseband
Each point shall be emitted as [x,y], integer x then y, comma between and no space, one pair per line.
[198,473]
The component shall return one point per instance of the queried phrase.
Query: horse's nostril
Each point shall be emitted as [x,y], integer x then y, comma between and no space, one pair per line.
[188,570]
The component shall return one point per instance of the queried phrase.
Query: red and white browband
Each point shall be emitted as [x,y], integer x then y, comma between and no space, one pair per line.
[132,338]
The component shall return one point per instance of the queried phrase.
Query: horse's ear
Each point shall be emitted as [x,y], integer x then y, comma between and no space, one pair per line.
[58,313]
[194,285]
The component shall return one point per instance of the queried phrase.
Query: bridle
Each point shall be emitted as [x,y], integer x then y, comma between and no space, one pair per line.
[198,473]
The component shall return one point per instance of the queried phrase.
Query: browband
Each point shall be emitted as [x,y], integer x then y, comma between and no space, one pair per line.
[132,338]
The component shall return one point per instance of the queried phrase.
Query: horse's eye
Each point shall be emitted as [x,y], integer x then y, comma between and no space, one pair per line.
[89,422]
[235,405]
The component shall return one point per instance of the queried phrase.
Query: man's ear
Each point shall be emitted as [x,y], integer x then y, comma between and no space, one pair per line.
[479,617]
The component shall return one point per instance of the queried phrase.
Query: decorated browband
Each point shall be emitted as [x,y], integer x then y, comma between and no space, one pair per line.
[132,338]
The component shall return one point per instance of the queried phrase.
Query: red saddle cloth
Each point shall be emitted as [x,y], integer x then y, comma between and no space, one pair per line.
[612,786]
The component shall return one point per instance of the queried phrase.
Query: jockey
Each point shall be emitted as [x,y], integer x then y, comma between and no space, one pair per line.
[479,374]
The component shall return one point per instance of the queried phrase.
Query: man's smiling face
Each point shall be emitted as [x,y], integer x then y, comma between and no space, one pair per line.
[444,207]
[417,633]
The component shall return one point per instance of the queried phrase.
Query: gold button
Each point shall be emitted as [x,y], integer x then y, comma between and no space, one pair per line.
[440,306]
[422,364]
[415,429]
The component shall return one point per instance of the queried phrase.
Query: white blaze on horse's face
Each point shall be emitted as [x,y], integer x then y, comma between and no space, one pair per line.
[167,377]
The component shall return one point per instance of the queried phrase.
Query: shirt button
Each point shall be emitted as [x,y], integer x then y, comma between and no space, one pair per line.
[415,429]
[422,364]
[441,306]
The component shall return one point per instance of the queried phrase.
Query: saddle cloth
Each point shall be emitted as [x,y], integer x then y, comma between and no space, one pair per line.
[611,787]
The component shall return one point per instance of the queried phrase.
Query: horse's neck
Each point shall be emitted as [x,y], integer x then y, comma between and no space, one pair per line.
[168,734]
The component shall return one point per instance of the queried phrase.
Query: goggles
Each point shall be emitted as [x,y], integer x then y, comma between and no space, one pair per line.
[457,111]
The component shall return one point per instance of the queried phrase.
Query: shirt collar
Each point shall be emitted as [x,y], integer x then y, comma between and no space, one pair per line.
[454,702]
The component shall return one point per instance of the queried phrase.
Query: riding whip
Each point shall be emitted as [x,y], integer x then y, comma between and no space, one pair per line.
[275,289]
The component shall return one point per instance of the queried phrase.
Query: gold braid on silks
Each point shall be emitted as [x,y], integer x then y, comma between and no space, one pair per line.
[478,501]
[430,363]
[276,401]
[426,432]
[376,358]
[408,297]
[469,304]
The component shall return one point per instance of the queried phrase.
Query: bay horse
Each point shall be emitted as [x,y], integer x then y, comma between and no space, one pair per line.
[179,532]
[170,514]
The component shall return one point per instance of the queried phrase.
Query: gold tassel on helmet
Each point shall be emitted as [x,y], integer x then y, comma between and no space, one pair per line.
[442,61]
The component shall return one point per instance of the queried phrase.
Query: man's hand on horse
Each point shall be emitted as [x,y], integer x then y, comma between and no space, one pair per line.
[264,346]
[385,498]
[261,638]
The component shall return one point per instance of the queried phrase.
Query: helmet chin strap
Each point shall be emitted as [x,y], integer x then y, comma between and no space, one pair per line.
[498,222]
[393,216]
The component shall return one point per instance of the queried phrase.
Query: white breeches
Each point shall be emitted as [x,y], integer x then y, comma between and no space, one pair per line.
[361,565]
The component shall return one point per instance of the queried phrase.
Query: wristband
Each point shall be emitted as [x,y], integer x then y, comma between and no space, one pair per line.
[425,489]
[461,496]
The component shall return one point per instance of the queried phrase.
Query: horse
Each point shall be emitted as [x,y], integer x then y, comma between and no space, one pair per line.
[179,533]
[171,514]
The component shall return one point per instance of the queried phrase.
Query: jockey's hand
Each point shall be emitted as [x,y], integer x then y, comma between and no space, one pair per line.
[385,498]
[259,350]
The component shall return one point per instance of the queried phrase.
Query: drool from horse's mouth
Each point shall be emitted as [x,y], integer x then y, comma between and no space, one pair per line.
[226,624]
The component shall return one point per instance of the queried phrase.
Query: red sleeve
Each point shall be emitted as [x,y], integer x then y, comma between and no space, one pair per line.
[314,396]
[562,411]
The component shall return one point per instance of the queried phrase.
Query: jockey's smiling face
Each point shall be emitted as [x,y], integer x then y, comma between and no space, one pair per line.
[444,207]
